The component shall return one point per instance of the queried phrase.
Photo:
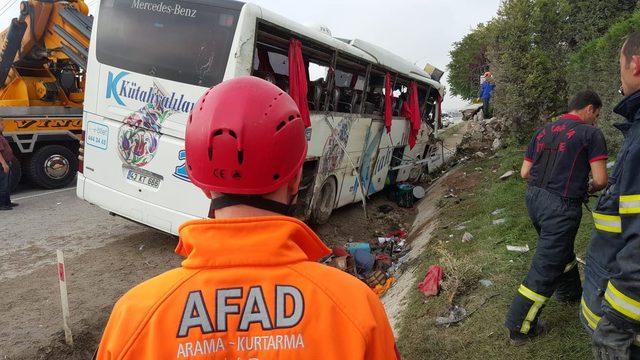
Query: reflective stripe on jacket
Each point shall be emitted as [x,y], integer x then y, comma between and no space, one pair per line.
[612,275]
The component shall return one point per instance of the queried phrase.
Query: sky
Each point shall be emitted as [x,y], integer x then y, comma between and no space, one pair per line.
[420,31]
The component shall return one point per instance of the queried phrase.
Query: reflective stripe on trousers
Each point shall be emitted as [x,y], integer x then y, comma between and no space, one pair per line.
[630,204]
[622,303]
[593,319]
[538,303]
[608,223]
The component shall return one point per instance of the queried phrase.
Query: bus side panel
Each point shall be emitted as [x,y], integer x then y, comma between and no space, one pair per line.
[385,154]
[349,186]
[371,153]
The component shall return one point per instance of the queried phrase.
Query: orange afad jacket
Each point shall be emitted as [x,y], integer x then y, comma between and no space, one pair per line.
[249,289]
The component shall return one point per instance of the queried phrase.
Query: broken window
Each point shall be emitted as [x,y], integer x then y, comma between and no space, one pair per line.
[271,63]
[374,100]
[350,79]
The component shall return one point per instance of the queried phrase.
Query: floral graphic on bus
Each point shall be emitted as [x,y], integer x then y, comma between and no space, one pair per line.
[333,152]
[139,135]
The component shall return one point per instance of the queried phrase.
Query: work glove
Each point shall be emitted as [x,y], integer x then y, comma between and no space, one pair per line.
[610,342]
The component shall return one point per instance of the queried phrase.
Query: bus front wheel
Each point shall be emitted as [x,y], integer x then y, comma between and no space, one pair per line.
[53,166]
[323,204]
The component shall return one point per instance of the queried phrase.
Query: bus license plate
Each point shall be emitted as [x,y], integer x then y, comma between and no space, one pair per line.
[147,180]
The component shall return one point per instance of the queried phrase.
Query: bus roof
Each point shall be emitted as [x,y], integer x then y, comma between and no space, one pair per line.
[390,60]
[358,48]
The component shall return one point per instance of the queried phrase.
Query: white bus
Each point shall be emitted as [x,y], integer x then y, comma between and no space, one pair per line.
[150,61]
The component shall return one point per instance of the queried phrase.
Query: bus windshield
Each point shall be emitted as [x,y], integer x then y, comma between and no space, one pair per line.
[175,40]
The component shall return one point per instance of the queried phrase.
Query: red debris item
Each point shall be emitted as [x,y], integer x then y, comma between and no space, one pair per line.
[431,284]
[400,233]
[340,251]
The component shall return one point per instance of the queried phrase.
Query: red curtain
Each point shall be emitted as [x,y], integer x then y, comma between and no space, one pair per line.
[298,80]
[414,113]
[439,111]
[388,104]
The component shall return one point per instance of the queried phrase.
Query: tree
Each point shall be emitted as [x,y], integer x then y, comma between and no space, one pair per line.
[590,19]
[529,62]
[469,61]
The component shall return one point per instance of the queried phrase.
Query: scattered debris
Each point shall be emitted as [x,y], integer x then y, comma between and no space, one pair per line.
[352,247]
[364,261]
[430,286]
[404,197]
[419,192]
[376,263]
[450,194]
[507,175]
[380,289]
[519,249]
[486,283]
[499,221]
[455,315]
[498,212]
[467,237]
[385,209]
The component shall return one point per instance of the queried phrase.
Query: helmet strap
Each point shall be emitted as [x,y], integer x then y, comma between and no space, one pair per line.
[255,201]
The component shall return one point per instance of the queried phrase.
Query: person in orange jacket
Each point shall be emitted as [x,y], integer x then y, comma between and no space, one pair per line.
[250,286]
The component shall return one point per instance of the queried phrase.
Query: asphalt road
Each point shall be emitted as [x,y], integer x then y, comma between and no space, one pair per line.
[47,220]
[105,256]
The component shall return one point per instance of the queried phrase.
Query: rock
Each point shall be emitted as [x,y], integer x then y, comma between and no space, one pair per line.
[507,175]
[459,228]
[480,155]
[455,315]
[497,144]
[467,237]
[486,283]
[478,169]
[519,249]
[499,221]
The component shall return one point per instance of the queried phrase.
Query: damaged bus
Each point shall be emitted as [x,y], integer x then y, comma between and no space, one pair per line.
[150,61]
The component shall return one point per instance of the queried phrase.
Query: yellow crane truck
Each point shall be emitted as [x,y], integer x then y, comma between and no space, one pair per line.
[43,62]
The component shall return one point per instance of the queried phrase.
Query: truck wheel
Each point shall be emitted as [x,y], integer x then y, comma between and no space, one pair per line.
[53,166]
[16,175]
[323,205]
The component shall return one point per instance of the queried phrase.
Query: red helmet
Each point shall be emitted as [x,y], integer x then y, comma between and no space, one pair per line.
[245,136]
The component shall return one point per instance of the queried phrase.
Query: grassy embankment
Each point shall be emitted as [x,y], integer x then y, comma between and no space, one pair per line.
[482,335]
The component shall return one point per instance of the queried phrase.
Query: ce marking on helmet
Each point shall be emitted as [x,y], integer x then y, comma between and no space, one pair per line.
[219,173]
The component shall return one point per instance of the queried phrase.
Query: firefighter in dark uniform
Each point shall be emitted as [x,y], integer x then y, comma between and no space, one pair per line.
[557,165]
[610,308]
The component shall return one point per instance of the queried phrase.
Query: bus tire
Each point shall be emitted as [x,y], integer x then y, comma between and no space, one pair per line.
[53,166]
[16,175]
[324,202]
